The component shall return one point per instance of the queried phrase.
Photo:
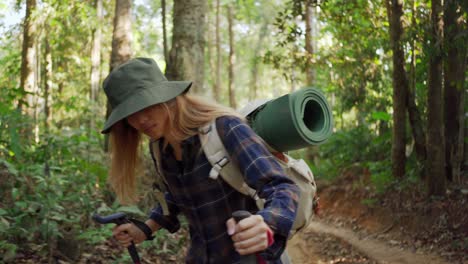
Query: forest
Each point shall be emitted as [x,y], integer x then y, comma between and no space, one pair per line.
[394,73]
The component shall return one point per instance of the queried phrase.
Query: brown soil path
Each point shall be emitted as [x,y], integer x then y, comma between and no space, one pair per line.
[375,251]
[358,226]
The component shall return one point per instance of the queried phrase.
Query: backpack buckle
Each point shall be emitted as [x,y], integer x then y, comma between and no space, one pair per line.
[217,167]
[205,129]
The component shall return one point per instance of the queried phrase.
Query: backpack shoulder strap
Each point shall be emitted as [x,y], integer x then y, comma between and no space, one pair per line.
[222,163]
[159,186]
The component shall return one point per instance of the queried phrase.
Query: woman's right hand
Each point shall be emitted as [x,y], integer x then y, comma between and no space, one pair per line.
[127,233]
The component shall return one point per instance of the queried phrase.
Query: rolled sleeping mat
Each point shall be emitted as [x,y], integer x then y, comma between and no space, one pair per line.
[292,121]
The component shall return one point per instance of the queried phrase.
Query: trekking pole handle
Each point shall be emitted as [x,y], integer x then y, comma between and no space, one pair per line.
[119,219]
[238,216]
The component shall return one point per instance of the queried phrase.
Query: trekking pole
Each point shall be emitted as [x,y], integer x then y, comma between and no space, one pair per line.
[244,259]
[119,219]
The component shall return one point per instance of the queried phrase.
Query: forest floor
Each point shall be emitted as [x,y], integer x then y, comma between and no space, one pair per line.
[355,225]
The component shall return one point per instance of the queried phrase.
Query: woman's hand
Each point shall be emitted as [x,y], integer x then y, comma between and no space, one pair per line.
[249,235]
[127,233]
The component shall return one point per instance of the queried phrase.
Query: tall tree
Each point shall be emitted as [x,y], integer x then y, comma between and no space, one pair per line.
[217,85]
[256,59]
[211,48]
[455,61]
[417,127]
[436,178]
[187,55]
[231,88]
[28,82]
[163,18]
[400,87]
[122,35]
[96,52]
[121,43]
[48,74]
[312,151]
[309,41]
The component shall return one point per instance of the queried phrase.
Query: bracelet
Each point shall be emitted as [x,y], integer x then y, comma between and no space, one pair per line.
[144,228]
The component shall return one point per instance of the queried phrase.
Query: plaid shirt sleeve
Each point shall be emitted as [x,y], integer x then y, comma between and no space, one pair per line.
[263,173]
[169,222]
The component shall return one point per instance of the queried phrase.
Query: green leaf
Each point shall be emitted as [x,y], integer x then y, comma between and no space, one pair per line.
[59,217]
[4,225]
[383,116]
[9,251]
[22,205]
[11,168]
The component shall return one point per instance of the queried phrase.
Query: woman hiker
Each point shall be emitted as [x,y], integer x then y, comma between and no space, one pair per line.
[144,102]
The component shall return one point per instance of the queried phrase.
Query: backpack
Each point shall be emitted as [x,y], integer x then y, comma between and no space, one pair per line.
[296,170]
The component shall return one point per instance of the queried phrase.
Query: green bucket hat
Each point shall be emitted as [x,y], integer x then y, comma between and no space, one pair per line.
[135,85]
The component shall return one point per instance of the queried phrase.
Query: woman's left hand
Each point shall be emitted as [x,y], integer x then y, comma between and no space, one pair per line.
[249,235]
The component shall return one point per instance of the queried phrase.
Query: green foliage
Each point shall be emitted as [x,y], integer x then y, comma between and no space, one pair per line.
[352,60]
[161,243]
[381,116]
[8,251]
[347,147]
[381,176]
[360,146]
[288,55]
[48,186]
[96,235]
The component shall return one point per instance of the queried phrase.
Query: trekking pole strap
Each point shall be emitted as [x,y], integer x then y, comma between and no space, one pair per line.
[143,227]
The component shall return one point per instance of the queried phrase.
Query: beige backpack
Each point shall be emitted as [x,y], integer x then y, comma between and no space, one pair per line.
[221,163]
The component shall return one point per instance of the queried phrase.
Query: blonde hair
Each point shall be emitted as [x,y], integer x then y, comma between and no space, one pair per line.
[186,114]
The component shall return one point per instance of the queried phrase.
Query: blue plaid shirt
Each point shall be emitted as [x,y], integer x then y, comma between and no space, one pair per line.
[208,204]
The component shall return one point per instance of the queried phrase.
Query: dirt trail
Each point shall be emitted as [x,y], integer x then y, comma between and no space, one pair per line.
[349,248]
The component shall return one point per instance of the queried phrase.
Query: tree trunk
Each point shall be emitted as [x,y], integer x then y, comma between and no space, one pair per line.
[210,45]
[454,96]
[309,42]
[163,14]
[312,151]
[46,108]
[47,84]
[187,54]
[28,82]
[414,114]
[417,129]
[255,64]
[292,75]
[121,43]
[37,100]
[232,96]
[400,88]
[96,53]
[436,179]
[122,35]
[217,85]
